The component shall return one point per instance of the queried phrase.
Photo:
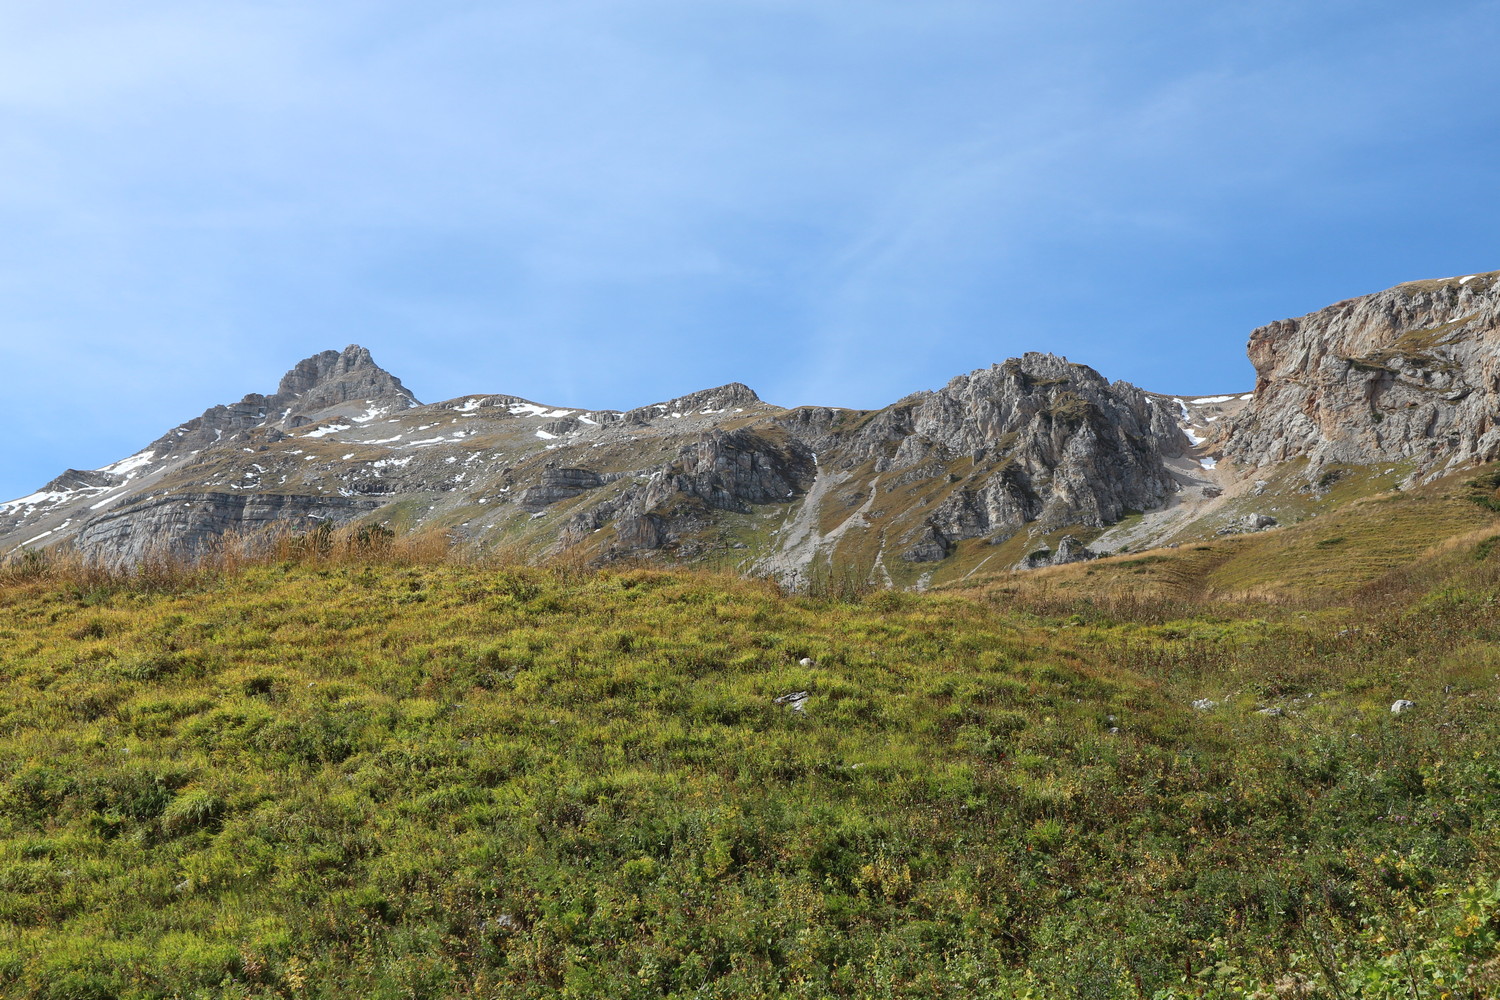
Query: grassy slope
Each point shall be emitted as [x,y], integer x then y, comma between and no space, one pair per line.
[436,780]
[1359,540]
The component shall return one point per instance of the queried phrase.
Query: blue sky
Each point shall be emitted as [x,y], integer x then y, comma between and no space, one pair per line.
[611,202]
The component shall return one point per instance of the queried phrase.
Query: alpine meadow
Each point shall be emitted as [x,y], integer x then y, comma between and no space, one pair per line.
[749,500]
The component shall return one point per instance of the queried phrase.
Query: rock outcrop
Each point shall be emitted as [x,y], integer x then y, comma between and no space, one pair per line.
[188,524]
[1040,440]
[1409,375]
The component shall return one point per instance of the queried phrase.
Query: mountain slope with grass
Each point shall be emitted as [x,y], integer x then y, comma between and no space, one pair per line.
[363,767]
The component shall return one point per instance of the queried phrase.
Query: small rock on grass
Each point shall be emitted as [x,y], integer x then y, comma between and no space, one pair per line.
[794,701]
[1402,705]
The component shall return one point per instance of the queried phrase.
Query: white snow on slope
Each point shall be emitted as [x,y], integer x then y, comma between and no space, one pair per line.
[533,410]
[126,466]
[1185,420]
[34,499]
[325,431]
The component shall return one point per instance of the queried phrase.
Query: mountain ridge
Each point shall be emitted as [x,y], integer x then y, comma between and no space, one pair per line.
[1026,462]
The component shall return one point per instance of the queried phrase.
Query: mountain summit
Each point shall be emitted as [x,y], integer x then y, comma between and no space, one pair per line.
[1031,462]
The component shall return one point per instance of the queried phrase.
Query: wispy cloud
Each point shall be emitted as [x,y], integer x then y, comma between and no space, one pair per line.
[606,202]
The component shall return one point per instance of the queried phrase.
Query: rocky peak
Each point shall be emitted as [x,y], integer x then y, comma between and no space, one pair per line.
[1036,438]
[735,395]
[333,383]
[334,377]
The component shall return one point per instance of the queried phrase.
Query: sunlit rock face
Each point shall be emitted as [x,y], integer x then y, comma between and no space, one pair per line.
[1411,374]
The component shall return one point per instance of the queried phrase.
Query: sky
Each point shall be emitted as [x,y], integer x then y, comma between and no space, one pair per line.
[606,203]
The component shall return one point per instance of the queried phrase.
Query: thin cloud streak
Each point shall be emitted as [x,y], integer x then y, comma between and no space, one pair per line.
[605,203]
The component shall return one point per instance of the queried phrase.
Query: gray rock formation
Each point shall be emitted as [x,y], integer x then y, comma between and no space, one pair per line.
[1248,523]
[1069,550]
[1047,440]
[1411,374]
[189,524]
[330,384]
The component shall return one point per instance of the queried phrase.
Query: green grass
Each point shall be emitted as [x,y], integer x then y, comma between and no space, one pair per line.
[325,777]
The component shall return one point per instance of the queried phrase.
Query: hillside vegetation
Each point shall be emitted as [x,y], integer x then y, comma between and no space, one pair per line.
[363,775]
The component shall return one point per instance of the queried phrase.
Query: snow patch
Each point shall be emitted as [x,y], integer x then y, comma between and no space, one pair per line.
[545,436]
[325,431]
[106,501]
[1212,399]
[34,499]
[1208,463]
[126,466]
[1467,278]
[371,412]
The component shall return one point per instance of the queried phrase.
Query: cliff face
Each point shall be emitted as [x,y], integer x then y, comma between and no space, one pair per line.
[195,521]
[1408,375]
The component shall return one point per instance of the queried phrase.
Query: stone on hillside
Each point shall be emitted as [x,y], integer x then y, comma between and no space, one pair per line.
[927,545]
[1248,524]
[1069,550]
[1205,704]
[1402,705]
[794,702]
